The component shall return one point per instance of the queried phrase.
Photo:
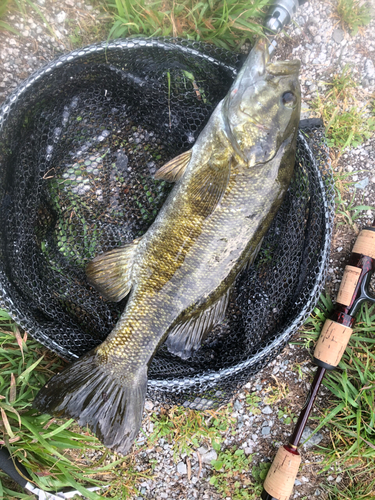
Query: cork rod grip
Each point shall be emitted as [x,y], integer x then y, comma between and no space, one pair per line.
[331,344]
[282,474]
[365,243]
[348,285]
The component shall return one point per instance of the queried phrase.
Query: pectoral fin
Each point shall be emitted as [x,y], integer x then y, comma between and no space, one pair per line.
[187,337]
[175,168]
[110,272]
[208,187]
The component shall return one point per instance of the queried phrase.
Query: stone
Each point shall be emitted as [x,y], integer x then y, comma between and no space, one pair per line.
[362,184]
[61,16]
[237,405]
[149,405]
[338,35]
[202,450]
[369,69]
[267,410]
[315,439]
[266,431]
[208,457]
[181,468]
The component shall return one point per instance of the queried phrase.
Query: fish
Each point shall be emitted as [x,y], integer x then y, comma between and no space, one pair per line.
[179,274]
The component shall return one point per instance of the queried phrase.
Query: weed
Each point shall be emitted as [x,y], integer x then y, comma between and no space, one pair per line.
[286,416]
[188,429]
[353,14]
[230,475]
[346,125]
[348,212]
[4,8]
[47,447]
[276,393]
[252,400]
[226,23]
[355,490]
[260,471]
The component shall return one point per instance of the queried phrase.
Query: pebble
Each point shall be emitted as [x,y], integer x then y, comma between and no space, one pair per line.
[338,35]
[267,410]
[181,468]
[369,69]
[362,184]
[266,431]
[313,441]
[149,405]
[208,457]
[61,16]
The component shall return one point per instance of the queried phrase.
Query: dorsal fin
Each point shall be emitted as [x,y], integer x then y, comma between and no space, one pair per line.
[173,170]
[110,272]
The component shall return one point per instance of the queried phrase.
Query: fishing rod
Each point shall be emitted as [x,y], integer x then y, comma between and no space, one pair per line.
[279,15]
[328,352]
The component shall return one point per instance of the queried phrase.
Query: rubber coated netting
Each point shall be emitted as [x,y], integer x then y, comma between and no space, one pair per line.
[80,141]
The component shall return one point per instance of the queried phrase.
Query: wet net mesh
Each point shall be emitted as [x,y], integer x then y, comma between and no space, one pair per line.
[80,141]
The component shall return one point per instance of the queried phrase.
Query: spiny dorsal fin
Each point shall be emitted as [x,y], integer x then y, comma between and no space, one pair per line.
[187,337]
[208,186]
[173,170]
[110,272]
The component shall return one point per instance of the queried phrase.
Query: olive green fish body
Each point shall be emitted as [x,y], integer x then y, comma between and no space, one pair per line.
[179,274]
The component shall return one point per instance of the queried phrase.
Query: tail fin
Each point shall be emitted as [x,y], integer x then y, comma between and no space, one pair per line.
[111,406]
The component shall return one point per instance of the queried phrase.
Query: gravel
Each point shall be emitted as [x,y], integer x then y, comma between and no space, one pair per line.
[324,49]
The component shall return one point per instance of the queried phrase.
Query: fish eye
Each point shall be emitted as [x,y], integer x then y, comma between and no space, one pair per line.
[289,99]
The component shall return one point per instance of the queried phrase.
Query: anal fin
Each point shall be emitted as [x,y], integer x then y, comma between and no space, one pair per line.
[110,272]
[186,337]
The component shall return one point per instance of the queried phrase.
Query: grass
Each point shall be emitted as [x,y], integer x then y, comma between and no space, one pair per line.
[4,9]
[353,14]
[350,416]
[347,211]
[56,453]
[230,475]
[347,125]
[188,429]
[227,23]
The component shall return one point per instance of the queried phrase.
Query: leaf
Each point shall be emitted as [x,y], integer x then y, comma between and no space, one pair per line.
[329,417]
[20,342]
[6,423]
[13,389]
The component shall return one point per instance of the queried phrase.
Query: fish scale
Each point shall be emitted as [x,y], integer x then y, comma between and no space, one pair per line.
[180,272]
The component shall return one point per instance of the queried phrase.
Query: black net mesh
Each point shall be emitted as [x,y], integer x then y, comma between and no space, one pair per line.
[80,141]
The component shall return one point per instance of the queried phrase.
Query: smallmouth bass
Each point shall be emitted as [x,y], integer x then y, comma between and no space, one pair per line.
[179,274]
